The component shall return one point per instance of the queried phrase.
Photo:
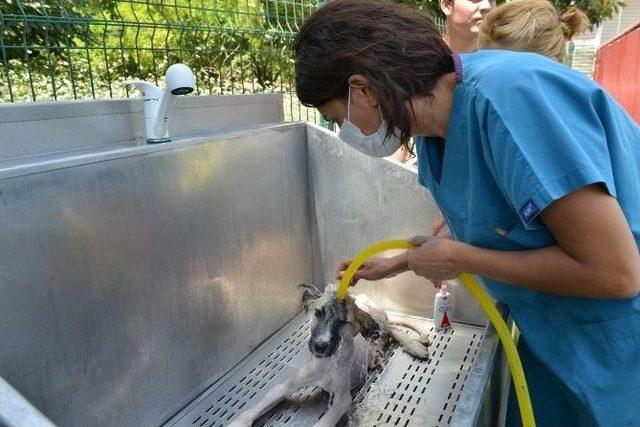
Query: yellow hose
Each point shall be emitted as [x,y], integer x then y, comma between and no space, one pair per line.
[515,366]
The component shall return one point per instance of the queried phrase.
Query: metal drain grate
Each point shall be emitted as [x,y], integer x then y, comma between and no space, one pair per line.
[414,392]
[403,392]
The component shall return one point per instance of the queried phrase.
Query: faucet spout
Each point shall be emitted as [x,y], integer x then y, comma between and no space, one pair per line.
[158,104]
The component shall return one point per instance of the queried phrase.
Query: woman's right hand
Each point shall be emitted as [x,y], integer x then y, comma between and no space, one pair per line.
[374,269]
[439,228]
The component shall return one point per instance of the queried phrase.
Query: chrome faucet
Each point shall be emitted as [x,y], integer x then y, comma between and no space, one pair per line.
[158,104]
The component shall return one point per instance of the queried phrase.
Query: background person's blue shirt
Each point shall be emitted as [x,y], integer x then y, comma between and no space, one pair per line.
[525,131]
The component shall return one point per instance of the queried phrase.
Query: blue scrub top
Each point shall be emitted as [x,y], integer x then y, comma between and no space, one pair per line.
[524,131]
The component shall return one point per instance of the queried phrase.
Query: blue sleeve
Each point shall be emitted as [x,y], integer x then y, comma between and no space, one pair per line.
[544,139]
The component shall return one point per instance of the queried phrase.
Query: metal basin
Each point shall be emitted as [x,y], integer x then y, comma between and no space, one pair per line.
[138,278]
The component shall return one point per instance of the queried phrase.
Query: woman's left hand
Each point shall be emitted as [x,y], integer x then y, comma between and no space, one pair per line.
[433,258]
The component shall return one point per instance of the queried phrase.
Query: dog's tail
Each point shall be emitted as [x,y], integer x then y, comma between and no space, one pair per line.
[414,346]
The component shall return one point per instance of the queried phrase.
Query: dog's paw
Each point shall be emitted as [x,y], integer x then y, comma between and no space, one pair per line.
[417,349]
[424,339]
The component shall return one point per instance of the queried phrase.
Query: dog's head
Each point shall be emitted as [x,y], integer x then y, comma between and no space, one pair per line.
[334,322]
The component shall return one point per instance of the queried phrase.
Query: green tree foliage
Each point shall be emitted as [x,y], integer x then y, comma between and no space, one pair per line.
[596,10]
[76,49]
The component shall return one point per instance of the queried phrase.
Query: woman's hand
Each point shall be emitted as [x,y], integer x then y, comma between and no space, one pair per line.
[439,228]
[374,269]
[434,258]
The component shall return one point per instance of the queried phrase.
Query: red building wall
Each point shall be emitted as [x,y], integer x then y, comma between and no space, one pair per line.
[618,69]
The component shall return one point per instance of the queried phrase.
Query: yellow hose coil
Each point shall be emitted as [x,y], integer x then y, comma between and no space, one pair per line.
[515,366]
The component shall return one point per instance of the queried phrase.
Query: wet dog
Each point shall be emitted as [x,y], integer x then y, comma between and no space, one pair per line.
[347,341]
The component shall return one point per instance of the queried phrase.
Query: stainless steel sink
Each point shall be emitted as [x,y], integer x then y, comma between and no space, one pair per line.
[138,278]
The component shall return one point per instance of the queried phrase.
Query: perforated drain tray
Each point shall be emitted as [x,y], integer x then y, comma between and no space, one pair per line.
[404,392]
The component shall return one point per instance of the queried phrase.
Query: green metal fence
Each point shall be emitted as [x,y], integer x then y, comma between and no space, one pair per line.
[84,49]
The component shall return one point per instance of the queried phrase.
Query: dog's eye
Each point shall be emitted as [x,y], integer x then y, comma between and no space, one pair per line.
[320,312]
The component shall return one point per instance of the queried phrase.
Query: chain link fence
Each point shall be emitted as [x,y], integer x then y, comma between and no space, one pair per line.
[84,49]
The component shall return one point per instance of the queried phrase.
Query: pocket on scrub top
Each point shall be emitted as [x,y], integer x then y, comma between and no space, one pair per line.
[521,238]
[491,235]
[603,369]
[613,343]
[626,328]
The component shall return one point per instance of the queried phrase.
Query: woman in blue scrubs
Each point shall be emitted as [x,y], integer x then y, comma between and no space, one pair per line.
[537,172]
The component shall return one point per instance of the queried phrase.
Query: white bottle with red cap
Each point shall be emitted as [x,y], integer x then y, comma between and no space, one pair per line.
[442,309]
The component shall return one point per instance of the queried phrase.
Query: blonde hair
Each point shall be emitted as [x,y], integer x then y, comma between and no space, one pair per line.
[532,26]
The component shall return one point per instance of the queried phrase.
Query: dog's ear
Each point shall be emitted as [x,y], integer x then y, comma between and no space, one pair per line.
[310,294]
[365,324]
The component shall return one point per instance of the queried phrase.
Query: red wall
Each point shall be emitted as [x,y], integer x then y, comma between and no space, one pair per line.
[618,69]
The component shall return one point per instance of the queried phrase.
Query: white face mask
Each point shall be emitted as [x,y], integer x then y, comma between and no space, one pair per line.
[376,145]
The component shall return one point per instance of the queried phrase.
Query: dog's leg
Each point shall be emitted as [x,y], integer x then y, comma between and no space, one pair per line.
[399,321]
[340,403]
[412,346]
[304,377]
[271,399]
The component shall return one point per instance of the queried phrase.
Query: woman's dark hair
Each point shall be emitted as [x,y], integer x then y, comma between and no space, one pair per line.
[398,49]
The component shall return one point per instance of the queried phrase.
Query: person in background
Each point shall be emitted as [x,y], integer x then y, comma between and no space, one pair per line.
[463,20]
[532,26]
